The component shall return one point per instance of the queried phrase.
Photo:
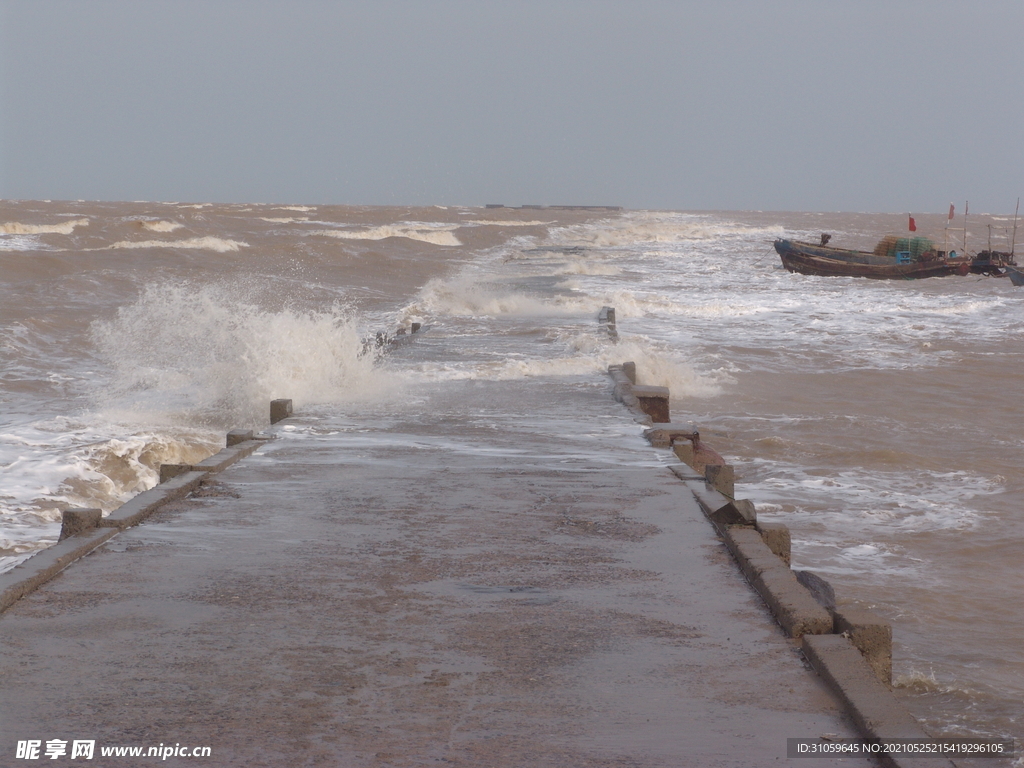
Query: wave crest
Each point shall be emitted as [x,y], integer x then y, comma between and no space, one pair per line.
[220,245]
[64,228]
[435,235]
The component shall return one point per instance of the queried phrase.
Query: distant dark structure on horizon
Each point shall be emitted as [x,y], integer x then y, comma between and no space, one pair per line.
[559,207]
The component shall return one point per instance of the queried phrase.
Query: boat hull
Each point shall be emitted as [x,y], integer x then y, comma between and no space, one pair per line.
[1015,274]
[823,261]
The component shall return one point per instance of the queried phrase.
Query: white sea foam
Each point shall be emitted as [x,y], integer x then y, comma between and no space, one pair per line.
[64,228]
[651,227]
[23,243]
[283,219]
[465,295]
[299,208]
[161,226]
[218,244]
[425,233]
[496,223]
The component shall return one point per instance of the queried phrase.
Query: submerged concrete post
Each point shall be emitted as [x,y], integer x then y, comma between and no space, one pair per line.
[236,436]
[606,317]
[170,471]
[653,402]
[280,409]
[73,521]
[721,477]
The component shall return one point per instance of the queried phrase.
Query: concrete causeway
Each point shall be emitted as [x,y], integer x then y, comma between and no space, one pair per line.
[529,588]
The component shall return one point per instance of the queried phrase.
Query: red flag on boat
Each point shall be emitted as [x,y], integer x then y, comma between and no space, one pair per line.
[913,225]
[950,217]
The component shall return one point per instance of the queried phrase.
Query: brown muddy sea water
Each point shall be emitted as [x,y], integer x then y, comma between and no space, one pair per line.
[880,420]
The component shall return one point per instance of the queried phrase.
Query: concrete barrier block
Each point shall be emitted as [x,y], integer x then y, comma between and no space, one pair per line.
[877,713]
[722,478]
[871,635]
[224,459]
[685,473]
[720,509]
[665,435]
[75,521]
[683,450]
[236,436]
[778,539]
[135,510]
[170,471]
[280,409]
[629,369]
[653,402]
[623,391]
[792,605]
[819,588]
[43,566]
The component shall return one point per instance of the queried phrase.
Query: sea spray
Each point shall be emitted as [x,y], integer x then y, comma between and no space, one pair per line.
[214,354]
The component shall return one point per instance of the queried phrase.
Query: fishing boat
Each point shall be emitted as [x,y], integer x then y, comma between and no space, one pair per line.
[894,258]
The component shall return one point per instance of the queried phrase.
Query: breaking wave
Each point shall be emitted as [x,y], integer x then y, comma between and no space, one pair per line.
[160,226]
[64,228]
[435,235]
[633,229]
[220,245]
[215,355]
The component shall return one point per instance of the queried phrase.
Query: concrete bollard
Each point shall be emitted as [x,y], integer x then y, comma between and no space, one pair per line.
[170,471]
[236,436]
[721,477]
[719,509]
[871,635]
[665,435]
[653,402]
[683,449]
[73,521]
[630,370]
[777,537]
[280,409]
[606,318]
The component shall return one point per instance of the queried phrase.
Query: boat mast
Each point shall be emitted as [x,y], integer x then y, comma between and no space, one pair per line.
[966,206]
[1014,241]
[945,233]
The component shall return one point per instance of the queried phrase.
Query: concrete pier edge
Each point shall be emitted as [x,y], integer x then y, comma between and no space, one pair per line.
[47,563]
[850,649]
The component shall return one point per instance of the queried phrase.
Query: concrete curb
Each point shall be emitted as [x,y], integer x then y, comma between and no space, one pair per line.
[225,458]
[875,710]
[137,509]
[856,664]
[792,605]
[43,566]
[624,394]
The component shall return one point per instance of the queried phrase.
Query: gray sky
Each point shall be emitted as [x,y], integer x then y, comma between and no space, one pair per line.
[778,105]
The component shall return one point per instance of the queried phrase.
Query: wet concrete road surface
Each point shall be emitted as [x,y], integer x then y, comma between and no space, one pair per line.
[387,590]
